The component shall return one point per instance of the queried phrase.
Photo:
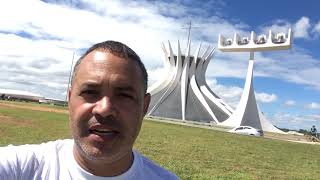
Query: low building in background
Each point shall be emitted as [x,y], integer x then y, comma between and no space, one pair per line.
[57,102]
[18,95]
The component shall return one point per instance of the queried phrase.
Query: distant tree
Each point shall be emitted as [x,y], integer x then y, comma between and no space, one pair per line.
[303,131]
[283,129]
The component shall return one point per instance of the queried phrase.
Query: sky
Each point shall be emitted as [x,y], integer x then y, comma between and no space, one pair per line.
[39,39]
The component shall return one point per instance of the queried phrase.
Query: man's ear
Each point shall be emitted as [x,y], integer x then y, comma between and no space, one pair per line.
[147,98]
[69,94]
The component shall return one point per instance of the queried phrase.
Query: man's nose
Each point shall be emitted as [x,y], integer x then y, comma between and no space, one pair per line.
[104,107]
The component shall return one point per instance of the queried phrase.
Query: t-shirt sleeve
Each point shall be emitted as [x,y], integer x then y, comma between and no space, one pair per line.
[18,162]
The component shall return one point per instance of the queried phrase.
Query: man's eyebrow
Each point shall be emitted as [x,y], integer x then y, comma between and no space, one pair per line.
[90,85]
[125,88]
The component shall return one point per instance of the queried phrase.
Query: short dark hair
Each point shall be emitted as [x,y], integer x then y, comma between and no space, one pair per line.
[118,49]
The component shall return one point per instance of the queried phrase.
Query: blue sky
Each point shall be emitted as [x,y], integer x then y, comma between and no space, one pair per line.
[38,39]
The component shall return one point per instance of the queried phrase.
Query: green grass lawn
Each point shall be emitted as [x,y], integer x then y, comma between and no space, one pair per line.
[192,153]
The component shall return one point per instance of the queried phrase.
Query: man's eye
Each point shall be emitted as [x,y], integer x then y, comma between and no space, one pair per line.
[89,92]
[126,95]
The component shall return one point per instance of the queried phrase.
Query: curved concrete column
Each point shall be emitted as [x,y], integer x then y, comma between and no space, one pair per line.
[170,65]
[246,113]
[205,89]
[181,97]
[185,81]
[173,83]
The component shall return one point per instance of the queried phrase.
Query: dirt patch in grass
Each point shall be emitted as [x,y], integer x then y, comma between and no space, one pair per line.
[45,109]
[287,137]
[9,121]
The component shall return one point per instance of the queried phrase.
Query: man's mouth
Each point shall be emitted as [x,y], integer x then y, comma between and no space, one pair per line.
[103,132]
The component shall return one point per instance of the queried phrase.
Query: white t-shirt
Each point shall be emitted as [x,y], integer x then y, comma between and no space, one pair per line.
[55,160]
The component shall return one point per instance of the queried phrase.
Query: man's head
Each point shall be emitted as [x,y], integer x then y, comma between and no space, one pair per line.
[107,102]
[118,49]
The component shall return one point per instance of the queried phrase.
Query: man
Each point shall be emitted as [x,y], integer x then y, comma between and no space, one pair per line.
[314,131]
[107,102]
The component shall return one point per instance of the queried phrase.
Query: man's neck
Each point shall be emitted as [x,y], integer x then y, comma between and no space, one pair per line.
[103,167]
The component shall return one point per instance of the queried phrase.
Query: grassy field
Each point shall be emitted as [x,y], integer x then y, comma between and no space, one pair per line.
[192,153]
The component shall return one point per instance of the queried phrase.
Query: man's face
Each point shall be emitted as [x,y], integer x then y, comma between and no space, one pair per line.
[107,103]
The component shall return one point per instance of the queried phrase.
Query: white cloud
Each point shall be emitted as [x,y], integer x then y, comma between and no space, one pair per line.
[43,32]
[230,94]
[315,116]
[316,28]
[266,98]
[277,26]
[313,105]
[295,121]
[301,28]
[290,103]
[156,74]
[294,66]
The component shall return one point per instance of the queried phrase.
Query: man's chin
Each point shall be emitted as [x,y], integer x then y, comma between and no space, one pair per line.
[102,154]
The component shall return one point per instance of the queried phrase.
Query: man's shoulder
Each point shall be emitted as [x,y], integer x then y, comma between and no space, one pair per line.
[154,170]
[30,158]
[58,144]
[37,152]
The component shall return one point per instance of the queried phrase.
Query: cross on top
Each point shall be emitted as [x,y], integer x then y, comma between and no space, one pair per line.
[189,26]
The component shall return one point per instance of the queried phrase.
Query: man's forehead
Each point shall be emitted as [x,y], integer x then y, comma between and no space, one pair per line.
[99,55]
[101,59]
[99,63]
